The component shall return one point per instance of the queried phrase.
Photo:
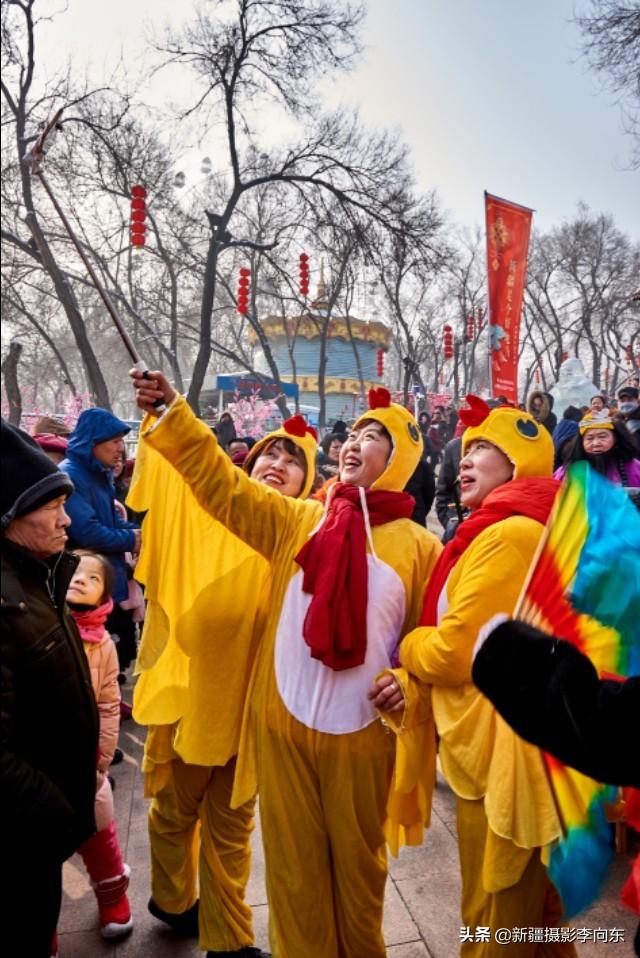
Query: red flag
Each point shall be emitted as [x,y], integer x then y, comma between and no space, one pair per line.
[508,229]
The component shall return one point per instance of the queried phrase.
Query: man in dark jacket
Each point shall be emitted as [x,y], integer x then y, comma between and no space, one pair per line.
[48,715]
[446,490]
[95,446]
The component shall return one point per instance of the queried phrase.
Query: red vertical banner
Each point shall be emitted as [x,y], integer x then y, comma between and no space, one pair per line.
[508,231]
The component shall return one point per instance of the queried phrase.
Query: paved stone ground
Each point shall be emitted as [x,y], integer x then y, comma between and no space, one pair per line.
[421,910]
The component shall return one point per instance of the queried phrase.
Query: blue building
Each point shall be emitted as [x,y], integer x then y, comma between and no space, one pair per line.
[302,335]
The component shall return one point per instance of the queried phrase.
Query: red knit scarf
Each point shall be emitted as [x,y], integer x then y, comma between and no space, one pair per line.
[335,573]
[91,623]
[532,497]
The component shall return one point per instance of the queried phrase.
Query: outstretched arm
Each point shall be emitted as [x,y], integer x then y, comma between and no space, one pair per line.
[255,513]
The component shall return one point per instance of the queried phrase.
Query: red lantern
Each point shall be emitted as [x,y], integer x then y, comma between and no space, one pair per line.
[479,318]
[244,288]
[629,354]
[303,261]
[448,341]
[138,216]
[565,356]
[471,327]
[380,363]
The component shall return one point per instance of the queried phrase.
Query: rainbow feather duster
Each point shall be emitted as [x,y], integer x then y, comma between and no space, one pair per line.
[578,590]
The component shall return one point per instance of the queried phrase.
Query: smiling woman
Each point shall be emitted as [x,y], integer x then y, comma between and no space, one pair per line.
[365,454]
[281,465]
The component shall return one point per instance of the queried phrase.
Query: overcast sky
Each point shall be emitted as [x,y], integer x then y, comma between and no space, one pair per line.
[488,94]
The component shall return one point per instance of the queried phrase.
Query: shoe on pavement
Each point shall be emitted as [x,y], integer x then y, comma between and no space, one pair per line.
[113,905]
[185,923]
[125,711]
[118,756]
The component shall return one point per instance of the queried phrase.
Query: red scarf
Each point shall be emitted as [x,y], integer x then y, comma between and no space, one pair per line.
[335,573]
[532,497]
[91,623]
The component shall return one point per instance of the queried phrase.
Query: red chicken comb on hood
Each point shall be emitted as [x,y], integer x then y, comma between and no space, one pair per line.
[379,398]
[477,412]
[297,426]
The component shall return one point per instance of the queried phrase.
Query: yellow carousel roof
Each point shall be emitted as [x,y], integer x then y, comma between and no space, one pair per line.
[307,327]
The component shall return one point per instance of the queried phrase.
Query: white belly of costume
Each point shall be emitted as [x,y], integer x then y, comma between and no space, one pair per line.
[328,701]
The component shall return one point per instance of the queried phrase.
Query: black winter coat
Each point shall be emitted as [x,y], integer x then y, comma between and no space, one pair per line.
[48,714]
[551,695]
[422,486]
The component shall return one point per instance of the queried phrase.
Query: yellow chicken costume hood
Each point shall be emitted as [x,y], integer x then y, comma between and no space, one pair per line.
[525,443]
[405,439]
[297,430]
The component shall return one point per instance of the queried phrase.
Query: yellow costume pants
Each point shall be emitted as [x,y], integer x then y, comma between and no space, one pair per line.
[322,807]
[192,828]
[531,901]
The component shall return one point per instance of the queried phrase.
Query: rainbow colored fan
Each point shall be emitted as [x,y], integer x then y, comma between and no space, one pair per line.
[584,586]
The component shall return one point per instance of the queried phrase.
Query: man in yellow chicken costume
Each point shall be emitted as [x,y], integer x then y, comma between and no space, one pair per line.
[204,589]
[345,583]
[505,809]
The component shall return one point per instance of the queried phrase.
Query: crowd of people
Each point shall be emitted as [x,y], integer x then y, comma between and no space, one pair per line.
[303,636]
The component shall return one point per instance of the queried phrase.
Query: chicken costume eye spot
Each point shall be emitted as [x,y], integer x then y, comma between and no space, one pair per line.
[413,432]
[527,428]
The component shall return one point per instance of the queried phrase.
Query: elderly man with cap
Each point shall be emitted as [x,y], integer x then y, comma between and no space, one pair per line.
[48,719]
[95,447]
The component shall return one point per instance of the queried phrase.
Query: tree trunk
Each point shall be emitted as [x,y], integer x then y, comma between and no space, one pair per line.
[206,310]
[64,291]
[11,385]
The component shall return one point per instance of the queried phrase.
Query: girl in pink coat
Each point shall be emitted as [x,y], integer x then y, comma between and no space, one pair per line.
[89,599]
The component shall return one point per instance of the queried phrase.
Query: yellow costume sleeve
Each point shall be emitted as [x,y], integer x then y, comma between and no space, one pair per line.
[202,588]
[481,756]
[250,510]
[487,579]
[414,774]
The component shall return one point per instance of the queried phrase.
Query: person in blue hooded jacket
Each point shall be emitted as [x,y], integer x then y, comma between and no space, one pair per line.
[95,447]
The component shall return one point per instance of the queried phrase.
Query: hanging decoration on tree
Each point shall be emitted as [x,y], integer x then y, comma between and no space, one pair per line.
[244,287]
[138,217]
[380,363]
[33,160]
[471,327]
[448,341]
[304,274]
[479,319]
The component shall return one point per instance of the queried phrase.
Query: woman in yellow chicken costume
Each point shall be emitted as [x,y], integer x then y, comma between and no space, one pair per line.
[345,583]
[203,621]
[505,810]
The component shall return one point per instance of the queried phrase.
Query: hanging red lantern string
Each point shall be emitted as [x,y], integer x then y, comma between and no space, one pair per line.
[471,327]
[303,260]
[380,363]
[244,289]
[138,216]
[448,341]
